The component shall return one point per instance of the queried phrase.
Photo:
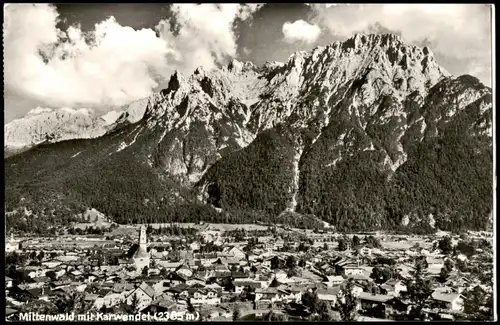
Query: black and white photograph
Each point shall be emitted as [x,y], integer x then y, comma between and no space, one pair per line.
[249,162]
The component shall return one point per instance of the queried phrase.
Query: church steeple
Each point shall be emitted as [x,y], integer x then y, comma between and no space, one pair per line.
[142,236]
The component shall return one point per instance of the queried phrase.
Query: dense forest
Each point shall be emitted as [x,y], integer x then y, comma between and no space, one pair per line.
[257,178]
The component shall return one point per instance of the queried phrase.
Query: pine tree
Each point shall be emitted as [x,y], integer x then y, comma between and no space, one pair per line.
[445,245]
[236,314]
[347,303]
[445,270]
[135,303]
[478,305]
[418,289]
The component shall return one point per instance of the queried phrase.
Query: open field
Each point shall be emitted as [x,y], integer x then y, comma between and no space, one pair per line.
[210,226]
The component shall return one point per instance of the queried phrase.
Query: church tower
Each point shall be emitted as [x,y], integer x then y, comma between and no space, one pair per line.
[143,240]
[141,255]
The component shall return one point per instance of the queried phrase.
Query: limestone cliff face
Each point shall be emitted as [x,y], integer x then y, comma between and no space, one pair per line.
[45,125]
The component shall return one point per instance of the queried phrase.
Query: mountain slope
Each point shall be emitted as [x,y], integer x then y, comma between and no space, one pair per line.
[362,122]
[370,133]
[45,125]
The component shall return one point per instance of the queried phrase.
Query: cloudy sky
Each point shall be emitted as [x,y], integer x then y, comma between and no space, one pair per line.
[105,55]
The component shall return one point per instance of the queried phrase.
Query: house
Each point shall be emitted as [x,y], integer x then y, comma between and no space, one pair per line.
[396,306]
[175,279]
[403,270]
[365,251]
[326,268]
[240,284]
[224,253]
[237,253]
[167,305]
[239,275]
[267,261]
[448,300]
[144,295]
[154,271]
[195,280]
[280,275]
[168,265]
[425,252]
[434,265]
[220,271]
[228,261]
[11,245]
[333,280]
[264,280]
[111,299]
[329,294]
[293,294]
[60,283]
[42,279]
[206,259]
[458,282]
[79,287]
[205,297]
[351,270]
[357,288]
[252,257]
[370,301]
[184,270]
[125,262]
[60,273]
[274,260]
[279,244]
[179,291]
[52,263]
[195,246]
[214,286]
[218,242]
[204,275]
[160,286]
[76,273]
[213,314]
[393,287]
[266,298]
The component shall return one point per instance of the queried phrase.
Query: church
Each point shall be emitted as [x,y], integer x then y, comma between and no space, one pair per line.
[141,255]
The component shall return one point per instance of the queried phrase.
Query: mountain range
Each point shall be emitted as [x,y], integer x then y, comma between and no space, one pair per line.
[369,133]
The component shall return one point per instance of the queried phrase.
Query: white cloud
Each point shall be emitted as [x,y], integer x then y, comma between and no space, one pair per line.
[206,34]
[113,70]
[246,11]
[300,30]
[461,31]
[118,64]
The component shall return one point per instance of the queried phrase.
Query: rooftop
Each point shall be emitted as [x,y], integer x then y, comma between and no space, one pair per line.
[374,297]
[140,253]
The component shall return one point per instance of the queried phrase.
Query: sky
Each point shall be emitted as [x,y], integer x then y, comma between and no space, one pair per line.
[103,56]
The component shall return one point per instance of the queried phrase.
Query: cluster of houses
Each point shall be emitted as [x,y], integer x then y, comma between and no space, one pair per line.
[216,283]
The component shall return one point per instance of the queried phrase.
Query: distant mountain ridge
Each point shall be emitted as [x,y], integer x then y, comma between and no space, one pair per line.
[362,134]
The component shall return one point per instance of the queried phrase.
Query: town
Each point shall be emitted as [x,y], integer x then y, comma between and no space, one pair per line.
[250,272]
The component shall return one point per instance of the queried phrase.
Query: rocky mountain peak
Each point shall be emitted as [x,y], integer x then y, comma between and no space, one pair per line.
[176,81]
[52,125]
[236,66]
